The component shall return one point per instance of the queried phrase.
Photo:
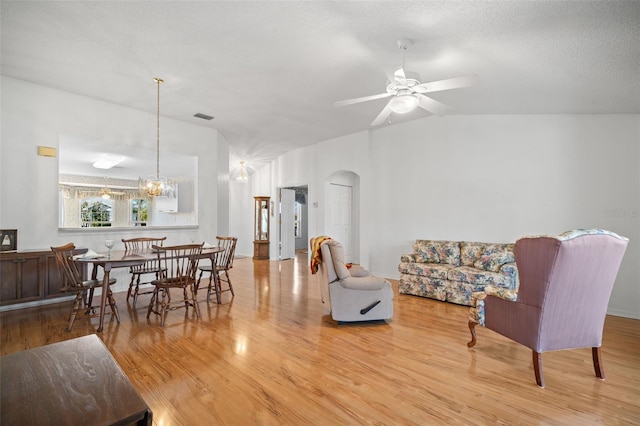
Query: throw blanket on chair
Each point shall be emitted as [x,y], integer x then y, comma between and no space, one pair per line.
[316,256]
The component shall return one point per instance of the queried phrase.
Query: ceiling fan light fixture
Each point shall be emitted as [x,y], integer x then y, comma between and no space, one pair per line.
[403,103]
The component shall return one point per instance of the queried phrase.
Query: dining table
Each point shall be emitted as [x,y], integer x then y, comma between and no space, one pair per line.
[126,258]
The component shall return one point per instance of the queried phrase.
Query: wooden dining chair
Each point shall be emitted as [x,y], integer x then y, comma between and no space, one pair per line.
[150,267]
[223,263]
[73,281]
[178,266]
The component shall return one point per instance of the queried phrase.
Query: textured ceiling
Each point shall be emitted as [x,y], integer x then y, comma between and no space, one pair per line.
[270,72]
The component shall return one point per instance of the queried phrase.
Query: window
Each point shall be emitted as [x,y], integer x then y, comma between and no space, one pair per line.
[139,212]
[96,211]
[297,220]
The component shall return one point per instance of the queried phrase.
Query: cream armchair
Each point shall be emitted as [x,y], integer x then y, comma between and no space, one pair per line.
[351,294]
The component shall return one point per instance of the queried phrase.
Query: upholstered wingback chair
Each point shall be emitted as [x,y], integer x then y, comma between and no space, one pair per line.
[561,303]
[351,294]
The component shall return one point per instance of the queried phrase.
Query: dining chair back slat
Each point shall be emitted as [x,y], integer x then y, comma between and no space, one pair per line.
[224,262]
[150,267]
[178,268]
[73,281]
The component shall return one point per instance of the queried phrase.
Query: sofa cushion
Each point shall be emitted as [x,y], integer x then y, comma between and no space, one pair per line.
[494,261]
[431,270]
[471,252]
[479,277]
[498,248]
[428,251]
[449,252]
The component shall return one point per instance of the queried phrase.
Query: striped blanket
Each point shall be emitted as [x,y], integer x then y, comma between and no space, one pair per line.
[316,256]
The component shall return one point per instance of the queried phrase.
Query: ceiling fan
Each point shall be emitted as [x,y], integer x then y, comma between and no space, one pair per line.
[408,92]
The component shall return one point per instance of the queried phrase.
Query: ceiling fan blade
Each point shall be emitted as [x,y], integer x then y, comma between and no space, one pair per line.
[448,84]
[433,106]
[382,117]
[363,99]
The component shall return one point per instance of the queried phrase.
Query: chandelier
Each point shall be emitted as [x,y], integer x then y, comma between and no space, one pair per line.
[156,185]
[242,176]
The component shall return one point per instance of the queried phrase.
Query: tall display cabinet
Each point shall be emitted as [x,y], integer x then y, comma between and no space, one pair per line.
[261,228]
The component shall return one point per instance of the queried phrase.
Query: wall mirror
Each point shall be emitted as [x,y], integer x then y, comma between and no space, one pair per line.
[100,186]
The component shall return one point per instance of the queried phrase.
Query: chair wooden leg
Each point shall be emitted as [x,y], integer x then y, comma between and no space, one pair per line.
[136,290]
[229,282]
[195,301]
[597,362]
[133,277]
[209,288]
[154,296]
[88,301]
[218,287]
[114,307]
[77,304]
[472,329]
[537,368]
[164,307]
[199,278]
[185,298]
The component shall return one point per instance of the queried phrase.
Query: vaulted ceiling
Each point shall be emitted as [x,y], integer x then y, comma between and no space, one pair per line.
[270,72]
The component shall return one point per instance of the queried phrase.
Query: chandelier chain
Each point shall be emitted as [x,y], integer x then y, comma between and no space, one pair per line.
[158,81]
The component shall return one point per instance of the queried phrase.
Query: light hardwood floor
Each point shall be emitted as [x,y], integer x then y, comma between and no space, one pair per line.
[272,356]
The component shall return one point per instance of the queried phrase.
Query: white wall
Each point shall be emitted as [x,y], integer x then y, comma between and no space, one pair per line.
[241,216]
[223,187]
[488,178]
[34,115]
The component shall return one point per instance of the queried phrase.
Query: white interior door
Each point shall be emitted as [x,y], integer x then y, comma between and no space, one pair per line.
[287,237]
[340,216]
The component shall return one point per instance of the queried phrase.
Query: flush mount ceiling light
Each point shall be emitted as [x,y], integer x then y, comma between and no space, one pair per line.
[242,175]
[156,185]
[108,161]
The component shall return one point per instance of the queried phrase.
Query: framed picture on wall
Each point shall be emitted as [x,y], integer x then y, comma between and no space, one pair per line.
[8,239]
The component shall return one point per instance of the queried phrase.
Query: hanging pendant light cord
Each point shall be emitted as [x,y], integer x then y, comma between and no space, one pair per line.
[158,80]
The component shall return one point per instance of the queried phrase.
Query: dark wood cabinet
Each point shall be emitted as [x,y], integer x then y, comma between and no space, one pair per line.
[261,228]
[30,275]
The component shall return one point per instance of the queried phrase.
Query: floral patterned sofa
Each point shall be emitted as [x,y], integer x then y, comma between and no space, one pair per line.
[452,270]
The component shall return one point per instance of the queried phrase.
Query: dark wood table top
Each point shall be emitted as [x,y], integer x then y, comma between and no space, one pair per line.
[122,258]
[75,382]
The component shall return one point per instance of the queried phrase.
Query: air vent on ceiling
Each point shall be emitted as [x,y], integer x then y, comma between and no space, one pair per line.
[203,116]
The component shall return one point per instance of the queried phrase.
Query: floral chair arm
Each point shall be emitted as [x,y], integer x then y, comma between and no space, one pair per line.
[410,258]
[476,313]
[501,292]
